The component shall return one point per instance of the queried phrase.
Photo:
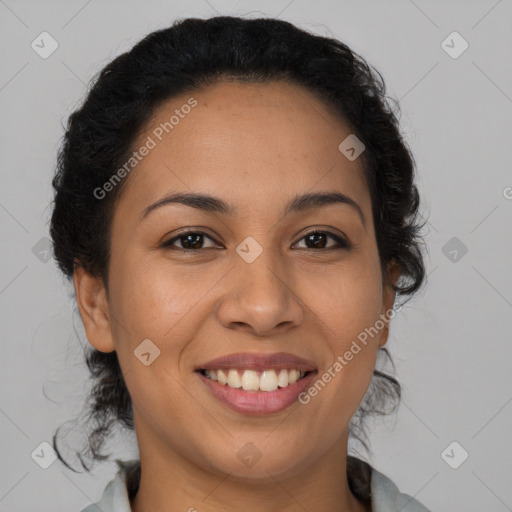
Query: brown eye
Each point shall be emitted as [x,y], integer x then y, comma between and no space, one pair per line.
[189,241]
[194,241]
[318,240]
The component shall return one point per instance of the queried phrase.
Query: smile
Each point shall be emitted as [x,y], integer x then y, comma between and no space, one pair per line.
[256,401]
[252,380]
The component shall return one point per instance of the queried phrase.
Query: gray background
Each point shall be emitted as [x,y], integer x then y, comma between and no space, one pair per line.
[451,344]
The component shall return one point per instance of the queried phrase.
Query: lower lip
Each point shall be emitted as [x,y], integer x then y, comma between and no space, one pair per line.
[258,402]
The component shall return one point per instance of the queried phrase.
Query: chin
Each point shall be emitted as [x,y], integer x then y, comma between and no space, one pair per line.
[254,466]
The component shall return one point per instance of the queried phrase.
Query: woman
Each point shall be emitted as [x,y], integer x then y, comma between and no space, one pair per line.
[236,207]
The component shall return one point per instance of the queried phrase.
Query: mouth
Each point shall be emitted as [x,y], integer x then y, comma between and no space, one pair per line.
[255,380]
[256,392]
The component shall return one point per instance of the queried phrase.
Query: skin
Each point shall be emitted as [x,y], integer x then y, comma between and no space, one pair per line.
[255,146]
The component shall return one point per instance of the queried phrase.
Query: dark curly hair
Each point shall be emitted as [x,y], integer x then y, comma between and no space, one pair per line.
[187,56]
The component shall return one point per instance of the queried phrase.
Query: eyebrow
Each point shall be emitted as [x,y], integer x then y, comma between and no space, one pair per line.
[211,204]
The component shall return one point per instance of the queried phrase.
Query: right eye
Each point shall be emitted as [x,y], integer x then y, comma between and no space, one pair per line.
[189,240]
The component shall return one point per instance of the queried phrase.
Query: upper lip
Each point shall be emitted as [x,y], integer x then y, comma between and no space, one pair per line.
[259,362]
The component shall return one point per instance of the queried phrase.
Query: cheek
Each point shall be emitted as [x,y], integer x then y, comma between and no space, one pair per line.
[159,300]
[348,299]
[348,306]
[165,305]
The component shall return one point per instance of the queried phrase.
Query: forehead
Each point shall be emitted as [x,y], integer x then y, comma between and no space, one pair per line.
[251,144]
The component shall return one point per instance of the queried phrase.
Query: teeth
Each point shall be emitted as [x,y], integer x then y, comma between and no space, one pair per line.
[293,376]
[234,379]
[250,380]
[269,380]
[222,377]
[283,378]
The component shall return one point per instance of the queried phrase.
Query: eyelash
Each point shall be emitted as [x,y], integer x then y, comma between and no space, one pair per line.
[342,243]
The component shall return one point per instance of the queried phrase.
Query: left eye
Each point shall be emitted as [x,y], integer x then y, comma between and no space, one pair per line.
[318,239]
[193,241]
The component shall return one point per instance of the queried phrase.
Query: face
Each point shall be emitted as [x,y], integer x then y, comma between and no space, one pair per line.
[203,283]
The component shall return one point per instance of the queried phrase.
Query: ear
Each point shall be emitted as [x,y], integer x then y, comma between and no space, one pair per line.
[388,298]
[94,309]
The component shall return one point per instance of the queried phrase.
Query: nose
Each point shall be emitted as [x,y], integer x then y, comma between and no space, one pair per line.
[261,301]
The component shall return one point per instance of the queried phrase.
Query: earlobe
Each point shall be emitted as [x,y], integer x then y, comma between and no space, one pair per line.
[94,309]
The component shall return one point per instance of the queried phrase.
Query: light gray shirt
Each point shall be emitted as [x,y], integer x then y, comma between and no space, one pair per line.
[385,496]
